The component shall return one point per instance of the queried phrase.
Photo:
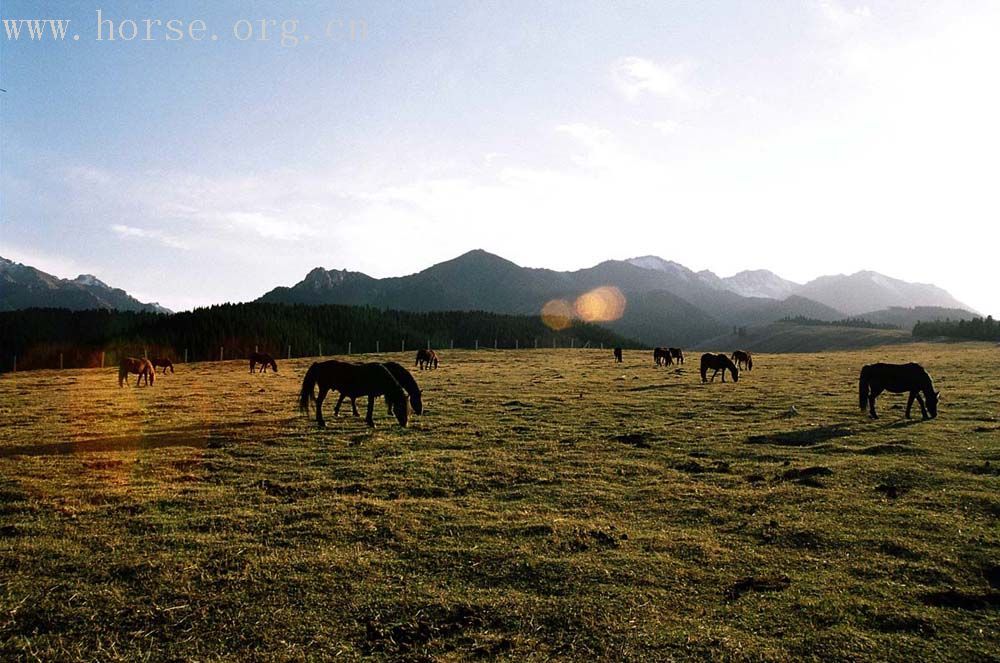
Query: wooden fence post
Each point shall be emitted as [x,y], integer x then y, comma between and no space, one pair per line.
[15,364]
[320,349]
[536,342]
[255,349]
[376,347]
[185,355]
[60,361]
[477,343]
[451,344]
[222,353]
[494,343]
[517,344]
[348,347]
[402,345]
[289,350]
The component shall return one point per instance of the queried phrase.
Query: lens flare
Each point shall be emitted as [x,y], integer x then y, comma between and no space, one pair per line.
[557,314]
[600,304]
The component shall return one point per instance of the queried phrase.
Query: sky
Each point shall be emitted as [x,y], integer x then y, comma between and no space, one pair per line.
[807,137]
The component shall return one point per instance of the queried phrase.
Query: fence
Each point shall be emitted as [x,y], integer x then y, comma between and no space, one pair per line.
[63,357]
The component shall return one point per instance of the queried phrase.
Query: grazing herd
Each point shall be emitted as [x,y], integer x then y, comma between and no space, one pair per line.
[401,392]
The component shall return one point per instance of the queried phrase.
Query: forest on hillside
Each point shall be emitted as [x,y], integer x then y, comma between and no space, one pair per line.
[977,329]
[42,338]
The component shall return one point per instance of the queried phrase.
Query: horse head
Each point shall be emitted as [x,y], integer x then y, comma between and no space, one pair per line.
[399,406]
[933,397]
[416,403]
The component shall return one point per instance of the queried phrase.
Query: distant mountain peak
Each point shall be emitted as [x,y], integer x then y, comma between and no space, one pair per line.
[91,280]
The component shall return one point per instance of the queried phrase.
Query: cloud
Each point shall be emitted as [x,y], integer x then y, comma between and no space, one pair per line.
[150,234]
[637,76]
[840,17]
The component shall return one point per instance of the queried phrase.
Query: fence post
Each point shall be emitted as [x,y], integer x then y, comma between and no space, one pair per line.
[553,342]
[102,359]
[376,347]
[15,364]
[348,347]
[451,344]
[536,342]
[60,361]
[289,350]
[222,353]
[477,343]
[185,355]
[517,344]
[402,345]
[320,349]
[255,349]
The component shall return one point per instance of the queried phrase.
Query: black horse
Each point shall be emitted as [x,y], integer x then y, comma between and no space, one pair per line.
[661,357]
[618,355]
[405,380]
[371,380]
[718,363]
[677,354]
[898,378]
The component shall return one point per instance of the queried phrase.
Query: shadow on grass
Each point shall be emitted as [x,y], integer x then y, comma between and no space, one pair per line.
[197,436]
[806,437]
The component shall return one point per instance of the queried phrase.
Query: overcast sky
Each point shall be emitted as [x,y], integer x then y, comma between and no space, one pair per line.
[807,137]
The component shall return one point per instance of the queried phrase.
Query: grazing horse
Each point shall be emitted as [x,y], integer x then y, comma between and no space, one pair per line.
[405,380]
[264,360]
[719,363]
[743,359]
[898,378]
[618,355]
[677,354]
[353,380]
[426,358]
[141,367]
[163,362]
[661,357]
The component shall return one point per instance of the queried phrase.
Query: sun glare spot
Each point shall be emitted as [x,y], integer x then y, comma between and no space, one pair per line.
[600,304]
[557,314]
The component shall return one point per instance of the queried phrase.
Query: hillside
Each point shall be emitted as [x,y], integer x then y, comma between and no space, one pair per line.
[865,291]
[24,287]
[783,337]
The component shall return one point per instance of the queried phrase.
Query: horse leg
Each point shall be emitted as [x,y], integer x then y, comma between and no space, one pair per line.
[336,409]
[716,373]
[923,409]
[873,394]
[909,403]
[354,406]
[368,416]
[319,406]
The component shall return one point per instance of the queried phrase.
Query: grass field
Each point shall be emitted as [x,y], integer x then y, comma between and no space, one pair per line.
[548,505]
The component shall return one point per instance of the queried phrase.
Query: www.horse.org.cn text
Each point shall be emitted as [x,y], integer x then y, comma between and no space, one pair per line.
[284,32]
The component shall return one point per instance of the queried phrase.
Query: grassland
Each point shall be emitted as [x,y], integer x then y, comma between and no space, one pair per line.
[548,505]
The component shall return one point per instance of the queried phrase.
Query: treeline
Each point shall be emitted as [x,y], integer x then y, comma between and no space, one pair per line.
[857,323]
[977,329]
[44,338]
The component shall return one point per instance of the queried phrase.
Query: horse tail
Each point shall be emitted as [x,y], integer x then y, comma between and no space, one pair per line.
[307,395]
[863,388]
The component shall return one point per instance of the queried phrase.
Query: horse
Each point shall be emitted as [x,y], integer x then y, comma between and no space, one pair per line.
[141,367]
[405,380]
[898,378]
[163,362]
[677,354]
[718,362]
[661,357]
[618,355]
[264,360]
[426,358]
[353,380]
[743,359]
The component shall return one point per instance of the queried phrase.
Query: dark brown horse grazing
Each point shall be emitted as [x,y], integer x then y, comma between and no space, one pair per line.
[719,363]
[405,380]
[618,355]
[677,354]
[898,378]
[426,358]
[141,367]
[264,360]
[743,359]
[352,380]
[661,357]
[162,362]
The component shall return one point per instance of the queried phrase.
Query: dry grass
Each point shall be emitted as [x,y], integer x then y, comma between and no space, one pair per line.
[548,505]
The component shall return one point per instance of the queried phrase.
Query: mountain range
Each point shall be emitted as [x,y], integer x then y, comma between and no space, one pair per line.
[23,287]
[665,302]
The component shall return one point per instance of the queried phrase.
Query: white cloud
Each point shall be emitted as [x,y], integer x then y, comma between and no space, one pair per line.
[151,234]
[637,76]
[841,17]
